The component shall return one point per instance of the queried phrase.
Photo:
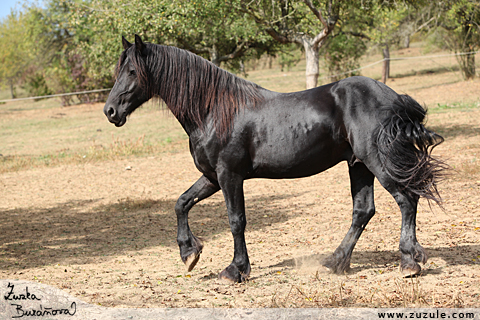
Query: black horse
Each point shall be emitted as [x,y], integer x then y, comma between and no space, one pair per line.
[239,130]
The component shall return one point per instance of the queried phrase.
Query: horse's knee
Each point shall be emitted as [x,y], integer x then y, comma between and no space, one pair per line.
[406,203]
[180,206]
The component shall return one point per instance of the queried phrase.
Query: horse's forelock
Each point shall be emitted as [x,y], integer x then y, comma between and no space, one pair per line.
[119,64]
[138,64]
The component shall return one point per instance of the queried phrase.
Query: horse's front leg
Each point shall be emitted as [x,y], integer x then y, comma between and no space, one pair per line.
[232,188]
[191,246]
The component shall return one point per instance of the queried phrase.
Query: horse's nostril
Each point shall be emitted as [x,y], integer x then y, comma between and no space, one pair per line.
[111,112]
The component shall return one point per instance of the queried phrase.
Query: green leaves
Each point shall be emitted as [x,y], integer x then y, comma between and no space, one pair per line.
[460,20]
[75,44]
[14,58]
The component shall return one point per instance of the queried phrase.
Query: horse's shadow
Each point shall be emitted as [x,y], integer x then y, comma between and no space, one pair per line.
[82,231]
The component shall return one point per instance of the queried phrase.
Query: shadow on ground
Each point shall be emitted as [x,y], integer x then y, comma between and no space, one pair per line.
[77,231]
[456,130]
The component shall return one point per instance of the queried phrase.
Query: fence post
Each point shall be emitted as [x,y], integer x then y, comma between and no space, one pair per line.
[386,64]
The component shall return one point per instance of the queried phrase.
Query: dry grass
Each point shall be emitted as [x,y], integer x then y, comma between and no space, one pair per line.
[54,135]
[117,149]
[470,168]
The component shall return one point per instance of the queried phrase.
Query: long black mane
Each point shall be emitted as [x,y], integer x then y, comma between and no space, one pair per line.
[191,86]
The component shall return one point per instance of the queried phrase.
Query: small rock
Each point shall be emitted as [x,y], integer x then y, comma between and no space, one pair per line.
[128,168]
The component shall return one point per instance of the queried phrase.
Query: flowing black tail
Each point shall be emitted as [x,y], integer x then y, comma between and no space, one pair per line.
[405,148]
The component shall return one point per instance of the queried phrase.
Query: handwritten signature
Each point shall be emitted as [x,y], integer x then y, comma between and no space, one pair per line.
[41,311]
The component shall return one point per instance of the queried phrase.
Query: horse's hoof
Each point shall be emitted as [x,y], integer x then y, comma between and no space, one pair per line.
[336,266]
[192,260]
[231,275]
[410,271]
[225,278]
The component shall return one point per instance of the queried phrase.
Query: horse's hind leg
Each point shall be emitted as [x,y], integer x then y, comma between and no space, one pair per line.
[191,246]
[412,252]
[361,181]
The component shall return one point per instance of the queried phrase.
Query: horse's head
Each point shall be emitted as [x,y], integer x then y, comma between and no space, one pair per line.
[127,94]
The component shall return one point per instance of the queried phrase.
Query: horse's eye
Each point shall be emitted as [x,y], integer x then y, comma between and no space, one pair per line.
[133,72]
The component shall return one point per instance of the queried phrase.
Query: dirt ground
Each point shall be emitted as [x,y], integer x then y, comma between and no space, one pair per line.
[105,232]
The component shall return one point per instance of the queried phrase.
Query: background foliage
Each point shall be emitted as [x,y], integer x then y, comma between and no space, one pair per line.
[73,45]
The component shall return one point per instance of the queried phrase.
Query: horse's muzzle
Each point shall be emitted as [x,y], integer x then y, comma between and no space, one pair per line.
[114,116]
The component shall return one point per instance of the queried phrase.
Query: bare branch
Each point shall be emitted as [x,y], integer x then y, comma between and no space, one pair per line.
[280,37]
[319,38]
[328,26]
[238,52]
[358,34]
[316,12]
[191,48]
[424,25]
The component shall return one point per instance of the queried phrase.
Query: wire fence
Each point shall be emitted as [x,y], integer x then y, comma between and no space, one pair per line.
[399,59]
[370,65]
[57,95]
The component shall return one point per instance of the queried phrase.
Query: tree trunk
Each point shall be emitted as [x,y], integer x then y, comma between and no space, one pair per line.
[12,89]
[386,64]
[406,41]
[311,57]
[467,62]
[468,66]
[214,56]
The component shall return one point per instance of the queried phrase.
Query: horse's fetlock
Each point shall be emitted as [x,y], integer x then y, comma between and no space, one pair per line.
[184,242]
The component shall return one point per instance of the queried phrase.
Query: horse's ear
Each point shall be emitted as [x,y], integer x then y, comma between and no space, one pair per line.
[125,43]
[139,45]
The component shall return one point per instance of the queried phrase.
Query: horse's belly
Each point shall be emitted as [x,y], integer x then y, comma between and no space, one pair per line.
[295,159]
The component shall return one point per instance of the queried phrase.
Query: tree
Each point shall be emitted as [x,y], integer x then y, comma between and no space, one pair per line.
[48,40]
[13,58]
[342,53]
[311,22]
[38,53]
[208,28]
[386,30]
[99,24]
[461,21]
[415,20]
[217,31]
[347,44]
[301,22]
